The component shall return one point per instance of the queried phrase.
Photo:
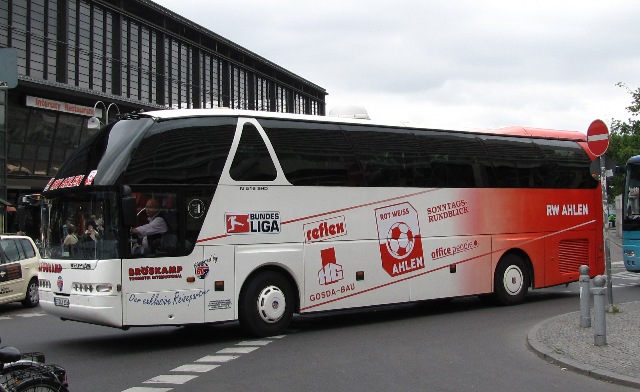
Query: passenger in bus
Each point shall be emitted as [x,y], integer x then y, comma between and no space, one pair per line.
[152,230]
[97,218]
[91,234]
[71,238]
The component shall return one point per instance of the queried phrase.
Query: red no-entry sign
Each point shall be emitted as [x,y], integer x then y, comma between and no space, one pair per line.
[598,137]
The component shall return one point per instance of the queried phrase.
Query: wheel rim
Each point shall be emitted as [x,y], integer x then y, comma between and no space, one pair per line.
[271,304]
[33,293]
[513,280]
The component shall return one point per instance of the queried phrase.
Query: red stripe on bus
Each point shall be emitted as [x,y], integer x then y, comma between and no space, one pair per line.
[333,212]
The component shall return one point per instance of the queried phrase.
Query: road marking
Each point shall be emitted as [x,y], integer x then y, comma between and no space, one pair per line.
[624,285]
[237,350]
[170,379]
[197,366]
[254,343]
[625,279]
[217,358]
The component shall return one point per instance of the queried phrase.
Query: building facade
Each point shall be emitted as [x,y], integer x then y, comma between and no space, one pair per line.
[78,59]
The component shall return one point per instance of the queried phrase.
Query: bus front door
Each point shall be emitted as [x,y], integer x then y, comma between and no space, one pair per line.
[163,290]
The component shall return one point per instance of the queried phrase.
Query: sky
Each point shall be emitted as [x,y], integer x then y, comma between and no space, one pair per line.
[450,64]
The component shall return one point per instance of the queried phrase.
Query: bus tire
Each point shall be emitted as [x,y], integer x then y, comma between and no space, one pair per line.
[32,298]
[511,281]
[266,304]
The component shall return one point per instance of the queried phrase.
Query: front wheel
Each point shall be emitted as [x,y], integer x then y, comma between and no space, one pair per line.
[266,304]
[32,298]
[511,281]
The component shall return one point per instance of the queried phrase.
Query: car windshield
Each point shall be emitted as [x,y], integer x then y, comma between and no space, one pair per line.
[81,226]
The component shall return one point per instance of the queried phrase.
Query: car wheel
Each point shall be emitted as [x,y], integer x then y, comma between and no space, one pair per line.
[32,298]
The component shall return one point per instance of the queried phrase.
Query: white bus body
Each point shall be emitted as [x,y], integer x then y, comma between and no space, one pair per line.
[266,249]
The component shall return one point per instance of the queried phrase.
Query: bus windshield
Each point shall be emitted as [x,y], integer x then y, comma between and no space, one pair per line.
[632,207]
[81,226]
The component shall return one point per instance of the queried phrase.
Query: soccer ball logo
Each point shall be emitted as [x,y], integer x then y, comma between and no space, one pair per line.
[400,240]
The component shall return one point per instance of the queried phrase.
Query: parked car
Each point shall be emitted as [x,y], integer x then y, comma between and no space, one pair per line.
[19,260]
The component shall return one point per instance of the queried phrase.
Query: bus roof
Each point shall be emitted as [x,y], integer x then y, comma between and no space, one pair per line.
[513,130]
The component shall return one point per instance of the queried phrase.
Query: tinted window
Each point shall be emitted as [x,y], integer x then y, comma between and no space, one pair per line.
[458,159]
[85,158]
[314,154]
[28,248]
[252,161]
[516,161]
[566,165]
[183,209]
[390,158]
[10,248]
[181,151]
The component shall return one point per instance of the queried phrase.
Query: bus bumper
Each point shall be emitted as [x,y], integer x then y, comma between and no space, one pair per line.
[94,309]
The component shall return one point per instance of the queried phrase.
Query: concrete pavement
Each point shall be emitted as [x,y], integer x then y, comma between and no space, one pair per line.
[562,341]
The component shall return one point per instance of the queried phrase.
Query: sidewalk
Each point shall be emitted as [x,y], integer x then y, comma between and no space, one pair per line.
[562,341]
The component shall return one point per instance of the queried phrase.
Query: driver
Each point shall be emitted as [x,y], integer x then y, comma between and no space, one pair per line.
[155,228]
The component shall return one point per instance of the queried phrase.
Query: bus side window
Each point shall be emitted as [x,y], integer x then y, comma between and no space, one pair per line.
[197,205]
[252,161]
[392,159]
[566,165]
[314,154]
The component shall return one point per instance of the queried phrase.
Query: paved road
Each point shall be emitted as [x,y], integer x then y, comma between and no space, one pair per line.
[463,345]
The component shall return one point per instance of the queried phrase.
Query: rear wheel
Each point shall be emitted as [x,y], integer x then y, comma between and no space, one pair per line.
[32,299]
[266,304]
[33,379]
[511,281]
[41,385]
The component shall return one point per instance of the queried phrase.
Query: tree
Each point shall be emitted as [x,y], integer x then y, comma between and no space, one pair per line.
[624,140]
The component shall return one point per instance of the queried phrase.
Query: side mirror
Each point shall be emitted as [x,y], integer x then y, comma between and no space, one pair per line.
[619,170]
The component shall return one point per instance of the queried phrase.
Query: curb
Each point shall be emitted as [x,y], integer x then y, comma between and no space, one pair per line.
[551,356]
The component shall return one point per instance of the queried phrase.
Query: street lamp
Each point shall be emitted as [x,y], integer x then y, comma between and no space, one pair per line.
[94,122]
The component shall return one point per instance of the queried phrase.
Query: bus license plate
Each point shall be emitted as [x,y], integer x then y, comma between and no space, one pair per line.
[61,301]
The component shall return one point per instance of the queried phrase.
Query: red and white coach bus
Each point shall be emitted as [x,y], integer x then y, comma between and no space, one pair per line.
[267,215]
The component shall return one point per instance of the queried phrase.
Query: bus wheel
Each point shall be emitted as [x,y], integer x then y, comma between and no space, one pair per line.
[266,304]
[511,281]
[32,299]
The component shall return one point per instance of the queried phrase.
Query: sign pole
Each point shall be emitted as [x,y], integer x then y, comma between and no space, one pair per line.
[598,143]
[605,234]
